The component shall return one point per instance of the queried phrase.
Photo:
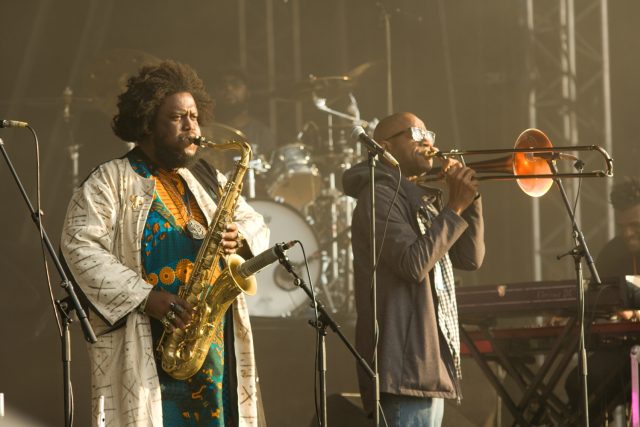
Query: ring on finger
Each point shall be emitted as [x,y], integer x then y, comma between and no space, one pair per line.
[177,308]
[170,316]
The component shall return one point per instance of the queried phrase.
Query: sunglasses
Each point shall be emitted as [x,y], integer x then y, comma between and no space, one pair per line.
[417,134]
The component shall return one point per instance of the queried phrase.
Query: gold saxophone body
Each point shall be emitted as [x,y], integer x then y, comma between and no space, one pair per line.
[209,290]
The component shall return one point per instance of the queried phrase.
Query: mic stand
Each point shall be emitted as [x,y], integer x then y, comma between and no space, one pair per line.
[323,321]
[579,251]
[374,284]
[68,287]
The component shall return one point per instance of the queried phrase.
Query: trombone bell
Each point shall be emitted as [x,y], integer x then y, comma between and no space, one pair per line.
[525,164]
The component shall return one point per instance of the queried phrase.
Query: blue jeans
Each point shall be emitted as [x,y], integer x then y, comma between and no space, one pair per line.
[410,411]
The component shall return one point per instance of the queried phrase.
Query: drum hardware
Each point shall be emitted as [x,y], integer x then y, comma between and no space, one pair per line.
[294,177]
[324,281]
[330,217]
[333,210]
[308,180]
[73,148]
[256,168]
[321,104]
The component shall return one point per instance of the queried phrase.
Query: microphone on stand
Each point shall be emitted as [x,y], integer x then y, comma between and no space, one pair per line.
[360,135]
[260,261]
[13,124]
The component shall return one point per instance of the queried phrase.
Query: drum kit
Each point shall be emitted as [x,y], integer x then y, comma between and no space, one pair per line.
[298,191]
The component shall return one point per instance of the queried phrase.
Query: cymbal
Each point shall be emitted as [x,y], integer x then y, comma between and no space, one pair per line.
[220,131]
[223,160]
[109,73]
[323,87]
[327,87]
[359,70]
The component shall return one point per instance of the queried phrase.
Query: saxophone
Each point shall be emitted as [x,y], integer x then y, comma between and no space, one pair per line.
[211,292]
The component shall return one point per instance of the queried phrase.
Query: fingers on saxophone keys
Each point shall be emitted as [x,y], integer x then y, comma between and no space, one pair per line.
[174,321]
[177,316]
[176,308]
[231,245]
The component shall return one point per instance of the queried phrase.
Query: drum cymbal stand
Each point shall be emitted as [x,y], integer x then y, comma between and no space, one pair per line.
[341,258]
[327,262]
[73,148]
[256,165]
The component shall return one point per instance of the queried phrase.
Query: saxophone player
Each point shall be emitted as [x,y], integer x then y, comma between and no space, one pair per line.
[130,238]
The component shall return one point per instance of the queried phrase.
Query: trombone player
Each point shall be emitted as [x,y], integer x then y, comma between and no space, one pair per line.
[418,344]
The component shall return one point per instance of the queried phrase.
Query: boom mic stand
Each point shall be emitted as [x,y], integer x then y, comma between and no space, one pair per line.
[320,325]
[579,251]
[61,306]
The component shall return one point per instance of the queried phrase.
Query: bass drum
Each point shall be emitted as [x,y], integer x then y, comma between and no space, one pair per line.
[277,295]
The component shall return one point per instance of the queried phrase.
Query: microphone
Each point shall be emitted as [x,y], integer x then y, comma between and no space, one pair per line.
[360,135]
[553,155]
[260,261]
[13,124]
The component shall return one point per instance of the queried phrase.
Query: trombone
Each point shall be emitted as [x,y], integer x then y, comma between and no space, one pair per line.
[528,163]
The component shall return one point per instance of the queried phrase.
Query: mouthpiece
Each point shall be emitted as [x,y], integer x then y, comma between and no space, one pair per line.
[198,140]
[434,153]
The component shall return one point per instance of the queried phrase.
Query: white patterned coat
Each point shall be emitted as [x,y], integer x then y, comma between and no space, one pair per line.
[101,241]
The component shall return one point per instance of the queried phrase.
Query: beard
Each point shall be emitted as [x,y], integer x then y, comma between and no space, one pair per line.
[172,158]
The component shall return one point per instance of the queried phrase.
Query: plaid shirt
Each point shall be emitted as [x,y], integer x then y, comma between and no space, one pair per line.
[443,281]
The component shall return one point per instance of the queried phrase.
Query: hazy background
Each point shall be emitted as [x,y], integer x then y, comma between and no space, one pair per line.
[460,65]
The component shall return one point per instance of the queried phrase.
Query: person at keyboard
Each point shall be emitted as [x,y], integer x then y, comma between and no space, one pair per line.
[608,368]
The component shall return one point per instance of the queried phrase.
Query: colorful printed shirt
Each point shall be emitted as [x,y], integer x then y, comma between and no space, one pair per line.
[168,253]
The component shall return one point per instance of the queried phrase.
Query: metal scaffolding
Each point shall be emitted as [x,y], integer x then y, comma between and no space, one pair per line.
[569,98]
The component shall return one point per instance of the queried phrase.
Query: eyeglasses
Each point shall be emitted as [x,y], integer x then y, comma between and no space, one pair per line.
[417,134]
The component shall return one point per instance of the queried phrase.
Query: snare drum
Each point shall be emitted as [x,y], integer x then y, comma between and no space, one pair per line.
[277,296]
[294,177]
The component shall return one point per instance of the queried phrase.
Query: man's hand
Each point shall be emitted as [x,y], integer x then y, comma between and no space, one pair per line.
[170,309]
[231,239]
[462,187]
[629,315]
